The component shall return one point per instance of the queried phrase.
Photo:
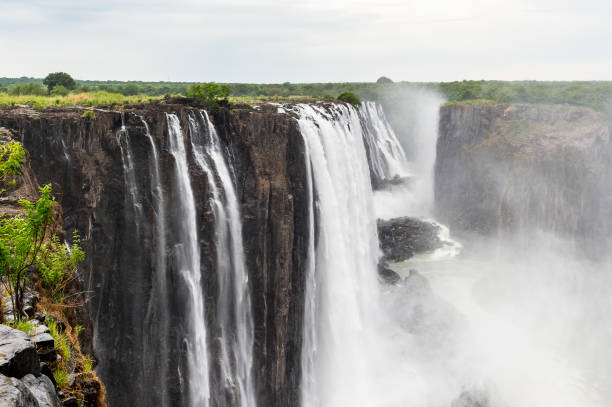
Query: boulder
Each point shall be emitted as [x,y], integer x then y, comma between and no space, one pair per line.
[43,390]
[43,340]
[387,275]
[14,393]
[402,238]
[17,353]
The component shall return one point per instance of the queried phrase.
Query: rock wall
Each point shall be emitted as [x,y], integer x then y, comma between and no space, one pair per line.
[81,158]
[515,167]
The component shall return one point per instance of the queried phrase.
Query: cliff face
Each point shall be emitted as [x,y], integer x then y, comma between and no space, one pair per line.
[511,167]
[137,332]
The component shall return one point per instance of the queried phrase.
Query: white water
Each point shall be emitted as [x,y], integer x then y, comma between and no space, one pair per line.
[157,307]
[516,303]
[499,324]
[129,175]
[188,260]
[234,304]
[387,157]
[346,360]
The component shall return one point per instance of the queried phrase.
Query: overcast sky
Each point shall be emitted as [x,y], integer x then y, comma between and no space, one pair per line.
[307,41]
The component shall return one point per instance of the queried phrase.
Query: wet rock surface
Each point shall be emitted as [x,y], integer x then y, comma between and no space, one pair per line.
[82,159]
[402,238]
[502,168]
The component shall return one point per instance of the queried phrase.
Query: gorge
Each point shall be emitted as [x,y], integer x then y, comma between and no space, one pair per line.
[232,254]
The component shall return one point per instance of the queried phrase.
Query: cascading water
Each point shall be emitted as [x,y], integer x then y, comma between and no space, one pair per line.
[234,305]
[188,263]
[345,360]
[386,155]
[157,308]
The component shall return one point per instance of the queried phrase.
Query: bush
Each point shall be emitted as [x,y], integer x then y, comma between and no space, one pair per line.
[89,114]
[59,79]
[59,90]
[208,93]
[28,89]
[350,98]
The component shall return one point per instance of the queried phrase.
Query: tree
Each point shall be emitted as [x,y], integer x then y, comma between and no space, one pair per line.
[208,93]
[351,98]
[59,90]
[26,243]
[59,78]
[383,80]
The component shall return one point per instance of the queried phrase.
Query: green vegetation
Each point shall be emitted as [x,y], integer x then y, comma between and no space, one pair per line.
[596,95]
[26,242]
[89,114]
[351,98]
[12,156]
[97,98]
[27,89]
[56,79]
[59,90]
[208,93]
[24,326]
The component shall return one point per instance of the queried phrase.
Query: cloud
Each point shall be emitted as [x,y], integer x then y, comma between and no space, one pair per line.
[313,40]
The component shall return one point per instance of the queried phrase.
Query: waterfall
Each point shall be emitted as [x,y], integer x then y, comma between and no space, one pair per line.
[157,308]
[133,198]
[234,304]
[386,155]
[188,262]
[341,292]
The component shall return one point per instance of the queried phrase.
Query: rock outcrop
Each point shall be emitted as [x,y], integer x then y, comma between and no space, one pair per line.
[21,381]
[402,238]
[513,167]
[138,350]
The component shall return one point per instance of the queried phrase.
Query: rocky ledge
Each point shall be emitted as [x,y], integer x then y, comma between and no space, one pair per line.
[23,383]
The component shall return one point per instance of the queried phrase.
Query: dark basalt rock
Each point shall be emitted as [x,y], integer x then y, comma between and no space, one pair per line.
[387,275]
[402,238]
[509,168]
[17,353]
[82,160]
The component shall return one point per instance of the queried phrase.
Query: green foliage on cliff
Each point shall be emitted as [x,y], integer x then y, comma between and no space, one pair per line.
[351,98]
[208,93]
[12,156]
[89,114]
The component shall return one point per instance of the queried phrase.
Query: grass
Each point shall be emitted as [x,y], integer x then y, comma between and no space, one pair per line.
[24,326]
[97,98]
[62,342]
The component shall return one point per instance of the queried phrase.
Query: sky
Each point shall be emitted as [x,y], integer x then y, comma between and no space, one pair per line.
[264,41]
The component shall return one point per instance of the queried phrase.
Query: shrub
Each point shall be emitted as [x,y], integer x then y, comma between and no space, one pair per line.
[11,157]
[59,90]
[208,93]
[59,79]
[28,89]
[89,114]
[350,98]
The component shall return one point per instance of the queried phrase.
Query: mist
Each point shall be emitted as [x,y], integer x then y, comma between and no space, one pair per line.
[518,316]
